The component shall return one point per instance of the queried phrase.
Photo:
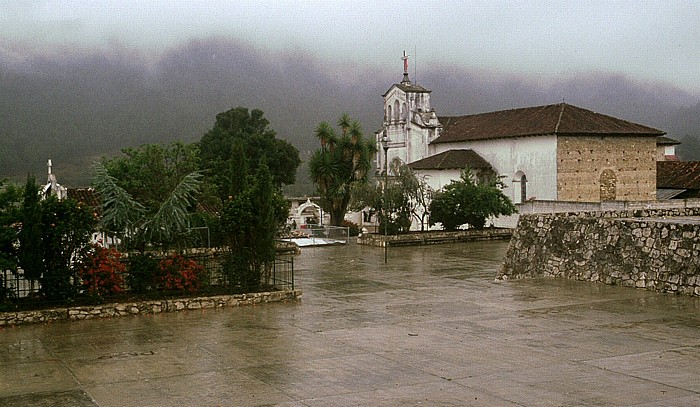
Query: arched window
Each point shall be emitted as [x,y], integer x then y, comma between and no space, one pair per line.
[397,110]
[388,116]
[608,186]
[520,191]
[404,112]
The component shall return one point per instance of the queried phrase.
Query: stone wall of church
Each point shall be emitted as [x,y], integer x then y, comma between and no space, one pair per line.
[614,168]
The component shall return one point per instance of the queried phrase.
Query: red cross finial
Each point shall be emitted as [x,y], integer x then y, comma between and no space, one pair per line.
[405,62]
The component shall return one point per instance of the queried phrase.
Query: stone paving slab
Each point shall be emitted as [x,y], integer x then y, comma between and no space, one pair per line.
[431,327]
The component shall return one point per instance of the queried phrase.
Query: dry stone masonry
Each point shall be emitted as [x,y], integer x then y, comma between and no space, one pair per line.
[652,249]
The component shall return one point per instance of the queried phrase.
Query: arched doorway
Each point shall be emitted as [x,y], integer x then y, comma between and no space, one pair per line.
[608,186]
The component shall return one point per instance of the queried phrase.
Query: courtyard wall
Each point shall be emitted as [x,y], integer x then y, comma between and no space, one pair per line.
[654,249]
[434,237]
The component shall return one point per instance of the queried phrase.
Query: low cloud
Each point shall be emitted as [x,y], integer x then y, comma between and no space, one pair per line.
[77,105]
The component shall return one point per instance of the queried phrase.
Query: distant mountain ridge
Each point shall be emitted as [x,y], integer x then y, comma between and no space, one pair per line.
[74,106]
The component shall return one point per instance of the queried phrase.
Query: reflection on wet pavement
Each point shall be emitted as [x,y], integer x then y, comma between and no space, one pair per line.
[431,327]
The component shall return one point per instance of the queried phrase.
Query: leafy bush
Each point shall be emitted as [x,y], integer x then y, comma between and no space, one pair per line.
[101,272]
[470,201]
[178,273]
[142,271]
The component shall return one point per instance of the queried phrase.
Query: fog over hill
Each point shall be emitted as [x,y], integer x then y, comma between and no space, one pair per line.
[76,105]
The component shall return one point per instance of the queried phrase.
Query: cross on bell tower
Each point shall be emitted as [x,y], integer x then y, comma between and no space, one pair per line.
[405,69]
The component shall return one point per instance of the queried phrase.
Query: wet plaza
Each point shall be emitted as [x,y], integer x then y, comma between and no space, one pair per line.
[430,328]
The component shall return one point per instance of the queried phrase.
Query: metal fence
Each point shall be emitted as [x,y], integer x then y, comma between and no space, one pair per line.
[314,235]
[283,272]
[15,288]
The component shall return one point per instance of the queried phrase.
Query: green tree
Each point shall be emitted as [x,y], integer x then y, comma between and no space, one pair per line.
[340,165]
[152,171]
[412,191]
[31,255]
[406,197]
[164,226]
[249,222]
[470,201]
[239,129]
[67,227]
[10,215]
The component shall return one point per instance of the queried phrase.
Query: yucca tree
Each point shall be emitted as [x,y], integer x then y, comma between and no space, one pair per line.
[344,122]
[325,134]
[334,170]
[123,215]
[355,131]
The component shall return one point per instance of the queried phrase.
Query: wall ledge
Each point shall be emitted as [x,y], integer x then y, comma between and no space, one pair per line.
[150,307]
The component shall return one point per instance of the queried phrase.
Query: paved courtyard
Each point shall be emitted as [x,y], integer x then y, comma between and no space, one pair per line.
[430,328]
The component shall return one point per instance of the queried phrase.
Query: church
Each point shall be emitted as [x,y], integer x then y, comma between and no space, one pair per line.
[557,152]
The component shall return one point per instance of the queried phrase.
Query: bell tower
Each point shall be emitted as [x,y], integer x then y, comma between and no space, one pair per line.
[410,123]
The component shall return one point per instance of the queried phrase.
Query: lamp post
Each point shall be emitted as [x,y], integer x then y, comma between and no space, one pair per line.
[385,146]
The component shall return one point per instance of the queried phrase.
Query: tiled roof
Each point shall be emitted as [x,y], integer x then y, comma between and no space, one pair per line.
[452,159]
[678,174]
[85,195]
[559,119]
[408,87]
[666,141]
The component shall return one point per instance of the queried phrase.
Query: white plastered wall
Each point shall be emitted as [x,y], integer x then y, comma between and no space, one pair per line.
[536,157]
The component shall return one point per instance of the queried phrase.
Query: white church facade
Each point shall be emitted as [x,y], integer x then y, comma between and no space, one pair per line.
[556,152]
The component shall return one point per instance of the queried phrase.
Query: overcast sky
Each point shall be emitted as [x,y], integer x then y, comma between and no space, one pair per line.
[81,80]
[648,41]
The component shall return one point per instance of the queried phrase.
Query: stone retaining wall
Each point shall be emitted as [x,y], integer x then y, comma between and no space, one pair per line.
[434,237]
[653,249]
[144,307]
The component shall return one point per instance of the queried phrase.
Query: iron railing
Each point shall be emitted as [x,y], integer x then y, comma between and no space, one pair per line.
[315,235]
[15,289]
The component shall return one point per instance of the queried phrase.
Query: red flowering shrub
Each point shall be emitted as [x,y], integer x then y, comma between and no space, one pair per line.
[178,273]
[101,272]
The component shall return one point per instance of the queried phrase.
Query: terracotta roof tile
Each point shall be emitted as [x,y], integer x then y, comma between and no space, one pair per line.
[678,174]
[452,159]
[666,141]
[560,119]
[85,195]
